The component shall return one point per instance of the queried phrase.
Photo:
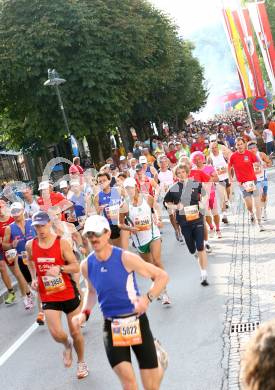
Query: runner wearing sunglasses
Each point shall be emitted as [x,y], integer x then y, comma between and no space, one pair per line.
[110,274]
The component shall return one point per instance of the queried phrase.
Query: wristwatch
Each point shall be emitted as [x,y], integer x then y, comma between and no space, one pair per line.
[150,297]
[61,268]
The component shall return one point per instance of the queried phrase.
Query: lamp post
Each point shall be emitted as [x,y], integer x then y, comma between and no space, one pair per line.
[54,81]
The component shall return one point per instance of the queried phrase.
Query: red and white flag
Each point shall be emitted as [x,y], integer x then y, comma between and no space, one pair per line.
[242,21]
[259,18]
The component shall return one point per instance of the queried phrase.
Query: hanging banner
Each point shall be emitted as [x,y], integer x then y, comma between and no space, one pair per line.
[74,146]
[242,22]
[254,55]
[267,34]
[262,39]
[239,57]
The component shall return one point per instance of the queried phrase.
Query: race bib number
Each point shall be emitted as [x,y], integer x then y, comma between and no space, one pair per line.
[126,332]
[112,213]
[142,223]
[222,173]
[258,169]
[191,213]
[53,284]
[249,186]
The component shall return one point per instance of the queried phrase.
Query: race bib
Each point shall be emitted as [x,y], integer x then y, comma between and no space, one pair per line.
[53,284]
[112,213]
[191,213]
[249,186]
[258,169]
[222,173]
[142,223]
[126,332]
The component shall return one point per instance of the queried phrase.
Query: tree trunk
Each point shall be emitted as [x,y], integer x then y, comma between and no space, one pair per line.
[100,151]
[125,138]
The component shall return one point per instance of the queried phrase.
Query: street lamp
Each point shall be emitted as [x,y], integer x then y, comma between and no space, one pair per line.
[54,81]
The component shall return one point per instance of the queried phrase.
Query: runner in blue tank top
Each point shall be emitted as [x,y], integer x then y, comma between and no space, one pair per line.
[108,202]
[16,236]
[110,274]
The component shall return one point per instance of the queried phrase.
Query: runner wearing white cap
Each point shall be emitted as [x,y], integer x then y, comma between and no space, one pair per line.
[144,220]
[49,198]
[110,274]
[14,242]
[148,170]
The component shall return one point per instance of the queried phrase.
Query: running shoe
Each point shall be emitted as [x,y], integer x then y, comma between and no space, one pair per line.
[204,281]
[225,219]
[211,232]
[30,299]
[208,248]
[162,355]
[28,302]
[180,237]
[40,319]
[82,370]
[261,228]
[10,298]
[68,355]
[165,300]
[219,234]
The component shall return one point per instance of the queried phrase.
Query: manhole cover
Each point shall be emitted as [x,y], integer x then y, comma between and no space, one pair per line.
[244,327]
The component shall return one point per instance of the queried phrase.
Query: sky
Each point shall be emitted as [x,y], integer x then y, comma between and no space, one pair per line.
[193,17]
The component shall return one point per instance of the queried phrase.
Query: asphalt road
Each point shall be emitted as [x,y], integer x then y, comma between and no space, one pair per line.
[191,331]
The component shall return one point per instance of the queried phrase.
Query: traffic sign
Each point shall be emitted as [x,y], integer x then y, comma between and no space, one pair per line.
[260,104]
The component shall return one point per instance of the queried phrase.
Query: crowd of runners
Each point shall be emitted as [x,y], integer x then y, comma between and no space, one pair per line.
[106,226]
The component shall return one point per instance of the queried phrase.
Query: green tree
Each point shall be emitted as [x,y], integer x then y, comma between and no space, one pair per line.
[270,7]
[114,56]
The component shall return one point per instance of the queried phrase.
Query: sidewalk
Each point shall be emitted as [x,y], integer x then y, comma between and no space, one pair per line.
[251,290]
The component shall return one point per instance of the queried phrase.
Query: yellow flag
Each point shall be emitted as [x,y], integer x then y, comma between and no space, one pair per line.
[236,41]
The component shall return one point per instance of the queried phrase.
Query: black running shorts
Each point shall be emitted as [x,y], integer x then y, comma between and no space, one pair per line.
[24,270]
[145,353]
[193,233]
[66,306]
[115,232]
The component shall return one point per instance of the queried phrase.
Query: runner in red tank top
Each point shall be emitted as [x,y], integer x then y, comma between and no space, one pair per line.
[51,262]
[145,184]
[5,220]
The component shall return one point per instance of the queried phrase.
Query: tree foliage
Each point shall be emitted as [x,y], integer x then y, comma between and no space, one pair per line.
[122,60]
[270,6]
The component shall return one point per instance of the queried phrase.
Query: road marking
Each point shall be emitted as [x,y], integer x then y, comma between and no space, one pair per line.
[18,343]
[14,347]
